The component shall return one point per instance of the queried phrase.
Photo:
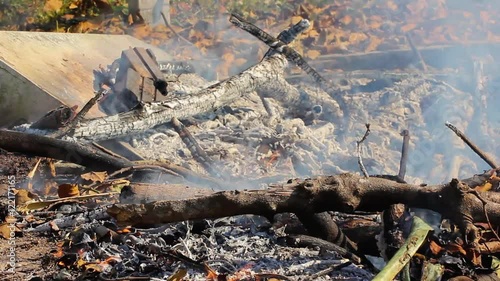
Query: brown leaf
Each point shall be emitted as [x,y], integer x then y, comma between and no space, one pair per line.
[52,5]
[8,229]
[346,20]
[435,248]
[313,54]
[68,190]
[407,27]
[95,176]
[455,248]
[374,43]
[178,275]
[23,196]
[103,6]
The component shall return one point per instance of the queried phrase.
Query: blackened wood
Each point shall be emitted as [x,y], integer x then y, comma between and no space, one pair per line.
[198,153]
[309,241]
[344,193]
[287,36]
[79,116]
[152,114]
[474,147]
[59,149]
[322,225]
[288,52]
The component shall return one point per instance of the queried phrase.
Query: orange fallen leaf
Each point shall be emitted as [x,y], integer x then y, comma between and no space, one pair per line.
[52,5]
[23,196]
[435,248]
[373,45]
[346,20]
[313,54]
[407,27]
[95,176]
[68,190]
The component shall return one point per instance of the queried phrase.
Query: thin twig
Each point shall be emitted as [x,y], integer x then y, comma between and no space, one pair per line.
[476,193]
[133,169]
[291,55]
[287,36]
[416,52]
[358,145]
[404,154]
[476,149]
[72,123]
[327,271]
[192,144]
[105,150]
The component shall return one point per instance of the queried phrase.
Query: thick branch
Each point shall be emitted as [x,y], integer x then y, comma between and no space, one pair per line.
[152,114]
[344,193]
[87,156]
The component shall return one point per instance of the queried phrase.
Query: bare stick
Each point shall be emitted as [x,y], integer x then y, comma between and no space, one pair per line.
[416,52]
[72,123]
[476,149]
[287,36]
[358,145]
[328,270]
[198,153]
[310,241]
[404,154]
[288,52]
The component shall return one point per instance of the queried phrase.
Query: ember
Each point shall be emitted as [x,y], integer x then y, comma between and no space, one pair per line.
[255,176]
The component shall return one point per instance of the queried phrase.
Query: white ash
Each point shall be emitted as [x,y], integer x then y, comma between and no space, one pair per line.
[247,248]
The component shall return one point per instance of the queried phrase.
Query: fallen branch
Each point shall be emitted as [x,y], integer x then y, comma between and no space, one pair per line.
[476,149]
[79,117]
[344,193]
[292,55]
[287,36]
[416,53]
[404,154]
[196,151]
[88,156]
[358,149]
[155,113]
[309,241]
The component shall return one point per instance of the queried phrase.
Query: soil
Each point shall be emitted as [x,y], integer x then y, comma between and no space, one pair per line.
[32,251]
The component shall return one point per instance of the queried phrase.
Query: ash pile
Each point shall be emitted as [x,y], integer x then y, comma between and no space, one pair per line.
[240,136]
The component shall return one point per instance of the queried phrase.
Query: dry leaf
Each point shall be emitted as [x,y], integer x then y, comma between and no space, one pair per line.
[52,167]
[313,54]
[8,229]
[435,248]
[24,196]
[52,5]
[373,45]
[407,27]
[178,275]
[346,20]
[68,190]
[357,37]
[391,5]
[95,176]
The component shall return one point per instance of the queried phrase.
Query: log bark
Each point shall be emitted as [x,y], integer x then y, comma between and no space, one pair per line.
[344,193]
[155,113]
[89,156]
